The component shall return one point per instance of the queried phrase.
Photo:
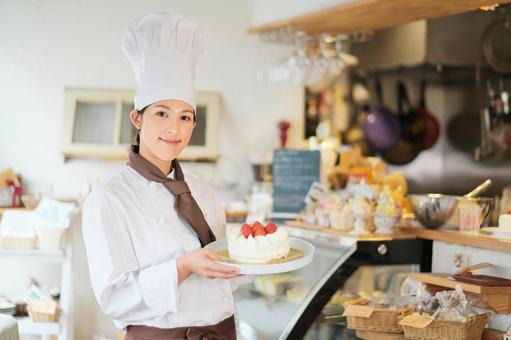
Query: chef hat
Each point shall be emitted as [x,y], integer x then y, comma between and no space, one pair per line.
[163,49]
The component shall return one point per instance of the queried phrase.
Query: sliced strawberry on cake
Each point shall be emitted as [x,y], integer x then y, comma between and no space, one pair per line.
[270,228]
[246,230]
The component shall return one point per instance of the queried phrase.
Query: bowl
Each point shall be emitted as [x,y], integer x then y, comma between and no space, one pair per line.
[433,210]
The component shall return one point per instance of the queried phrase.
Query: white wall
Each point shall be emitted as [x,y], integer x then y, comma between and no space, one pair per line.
[46,46]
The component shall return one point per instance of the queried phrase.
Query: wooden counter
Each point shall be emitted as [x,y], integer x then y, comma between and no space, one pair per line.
[448,236]
[462,238]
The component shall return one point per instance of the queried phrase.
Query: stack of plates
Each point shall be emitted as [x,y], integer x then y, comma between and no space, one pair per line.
[7,308]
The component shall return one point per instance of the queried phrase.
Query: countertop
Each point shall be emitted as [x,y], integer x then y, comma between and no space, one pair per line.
[476,240]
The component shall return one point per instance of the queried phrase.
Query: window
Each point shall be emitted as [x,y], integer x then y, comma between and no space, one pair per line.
[97,124]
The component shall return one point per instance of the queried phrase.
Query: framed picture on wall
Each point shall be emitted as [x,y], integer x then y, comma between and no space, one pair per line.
[97,124]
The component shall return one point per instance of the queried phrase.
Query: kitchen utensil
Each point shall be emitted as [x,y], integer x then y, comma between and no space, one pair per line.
[496,45]
[432,210]
[469,217]
[480,206]
[469,269]
[484,203]
[501,135]
[381,127]
[355,135]
[432,126]
[479,189]
[413,128]
[464,131]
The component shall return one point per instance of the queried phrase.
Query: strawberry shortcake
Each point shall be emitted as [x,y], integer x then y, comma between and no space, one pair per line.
[257,243]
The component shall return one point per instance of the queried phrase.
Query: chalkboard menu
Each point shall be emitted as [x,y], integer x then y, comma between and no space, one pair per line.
[293,173]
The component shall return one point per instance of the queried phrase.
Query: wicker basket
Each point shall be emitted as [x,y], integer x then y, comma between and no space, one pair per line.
[41,316]
[18,242]
[449,330]
[381,320]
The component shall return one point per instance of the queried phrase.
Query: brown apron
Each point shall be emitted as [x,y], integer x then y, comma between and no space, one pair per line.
[224,330]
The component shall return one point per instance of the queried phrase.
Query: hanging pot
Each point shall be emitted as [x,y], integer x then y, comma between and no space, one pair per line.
[354,135]
[464,131]
[381,127]
[496,45]
[413,129]
[432,126]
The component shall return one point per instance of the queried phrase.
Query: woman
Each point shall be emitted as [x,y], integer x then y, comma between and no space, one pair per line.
[145,229]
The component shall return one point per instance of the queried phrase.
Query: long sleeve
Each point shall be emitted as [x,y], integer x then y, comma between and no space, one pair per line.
[125,291]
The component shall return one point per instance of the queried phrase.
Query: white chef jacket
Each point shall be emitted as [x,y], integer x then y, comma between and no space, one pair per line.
[133,237]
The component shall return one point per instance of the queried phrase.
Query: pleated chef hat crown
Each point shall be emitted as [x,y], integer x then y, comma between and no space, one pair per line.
[163,49]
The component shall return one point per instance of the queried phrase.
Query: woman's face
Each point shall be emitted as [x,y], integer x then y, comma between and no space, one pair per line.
[165,129]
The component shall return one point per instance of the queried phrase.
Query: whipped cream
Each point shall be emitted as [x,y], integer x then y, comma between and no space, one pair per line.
[259,249]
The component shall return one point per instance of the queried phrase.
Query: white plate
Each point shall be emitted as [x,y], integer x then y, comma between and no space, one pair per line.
[272,268]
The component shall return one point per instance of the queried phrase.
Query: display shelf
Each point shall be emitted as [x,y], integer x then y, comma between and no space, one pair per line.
[281,311]
[47,330]
[293,305]
[470,239]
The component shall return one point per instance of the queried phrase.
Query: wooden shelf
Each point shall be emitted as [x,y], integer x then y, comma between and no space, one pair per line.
[462,238]
[370,15]
[444,280]
[448,236]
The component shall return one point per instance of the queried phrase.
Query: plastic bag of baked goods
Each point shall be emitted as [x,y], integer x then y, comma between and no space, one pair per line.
[383,301]
[453,305]
[414,296]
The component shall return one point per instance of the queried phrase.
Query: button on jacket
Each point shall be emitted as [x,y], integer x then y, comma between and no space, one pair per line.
[133,237]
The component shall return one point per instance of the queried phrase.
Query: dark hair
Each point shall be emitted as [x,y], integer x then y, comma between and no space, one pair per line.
[141,112]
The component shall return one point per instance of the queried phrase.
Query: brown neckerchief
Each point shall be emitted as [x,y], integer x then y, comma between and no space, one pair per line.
[185,205]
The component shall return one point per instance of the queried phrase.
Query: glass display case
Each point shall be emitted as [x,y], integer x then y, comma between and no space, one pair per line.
[307,303]
[270,306]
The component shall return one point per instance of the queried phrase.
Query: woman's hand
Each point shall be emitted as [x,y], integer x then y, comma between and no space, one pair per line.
[204,262]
